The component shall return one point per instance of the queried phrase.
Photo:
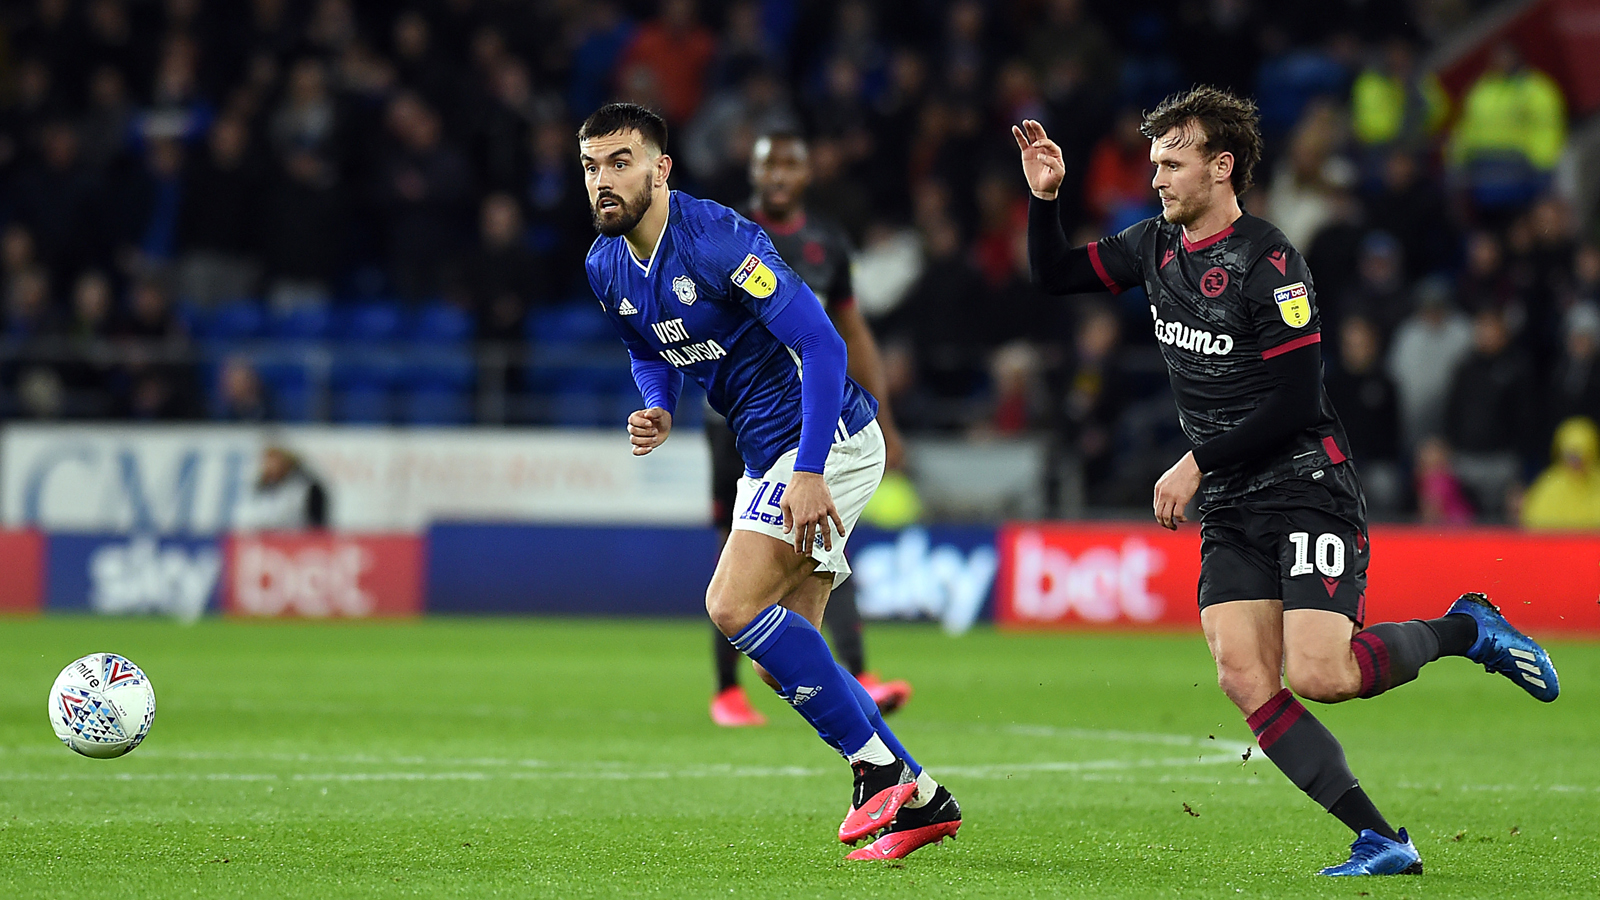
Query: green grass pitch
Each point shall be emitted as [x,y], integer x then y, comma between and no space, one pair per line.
[538,758]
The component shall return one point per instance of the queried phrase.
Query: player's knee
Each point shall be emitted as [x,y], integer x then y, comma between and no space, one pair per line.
[1248,685]
[727,610]
[1324,684]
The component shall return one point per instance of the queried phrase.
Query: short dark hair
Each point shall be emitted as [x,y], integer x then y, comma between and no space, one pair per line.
[1228,124]
[620,118]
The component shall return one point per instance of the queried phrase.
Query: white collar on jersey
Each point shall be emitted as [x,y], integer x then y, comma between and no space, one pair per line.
[655,251]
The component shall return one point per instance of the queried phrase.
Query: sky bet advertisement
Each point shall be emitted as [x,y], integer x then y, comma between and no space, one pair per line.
[140,521]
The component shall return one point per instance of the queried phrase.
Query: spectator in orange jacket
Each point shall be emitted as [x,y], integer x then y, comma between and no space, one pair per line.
[675,50]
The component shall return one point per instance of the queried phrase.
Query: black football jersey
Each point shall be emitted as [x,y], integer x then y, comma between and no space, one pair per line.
[1220,308]
[819,252]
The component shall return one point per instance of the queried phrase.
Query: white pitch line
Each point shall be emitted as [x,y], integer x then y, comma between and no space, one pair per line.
[1086,735]
[535,769]
[1068,767]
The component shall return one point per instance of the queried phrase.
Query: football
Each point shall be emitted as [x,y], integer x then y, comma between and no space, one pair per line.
[102,705]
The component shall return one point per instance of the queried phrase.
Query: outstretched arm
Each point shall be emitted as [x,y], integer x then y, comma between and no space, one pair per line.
[1057,266]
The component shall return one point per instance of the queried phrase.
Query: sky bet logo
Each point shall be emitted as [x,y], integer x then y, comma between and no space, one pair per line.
[913,577]
[141,576]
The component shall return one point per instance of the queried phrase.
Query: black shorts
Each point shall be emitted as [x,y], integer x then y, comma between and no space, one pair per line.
[1302,541]
[727,467]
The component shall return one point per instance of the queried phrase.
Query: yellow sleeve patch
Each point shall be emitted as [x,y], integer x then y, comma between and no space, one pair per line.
[1294,304]
[754,276]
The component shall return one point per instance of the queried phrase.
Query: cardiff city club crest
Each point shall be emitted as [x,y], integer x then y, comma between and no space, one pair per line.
[683,286]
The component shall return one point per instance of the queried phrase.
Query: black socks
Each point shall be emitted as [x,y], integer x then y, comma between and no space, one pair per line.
[1303,748]
[1356,811]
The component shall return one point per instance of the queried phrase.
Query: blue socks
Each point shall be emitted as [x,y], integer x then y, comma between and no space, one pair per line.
[786,645]
[870,708]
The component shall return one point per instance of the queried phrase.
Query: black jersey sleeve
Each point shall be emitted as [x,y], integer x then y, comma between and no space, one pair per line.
[1110,264]
[1118,260]
[1282,301]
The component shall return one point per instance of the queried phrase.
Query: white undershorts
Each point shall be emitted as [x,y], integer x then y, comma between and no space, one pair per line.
[852,472]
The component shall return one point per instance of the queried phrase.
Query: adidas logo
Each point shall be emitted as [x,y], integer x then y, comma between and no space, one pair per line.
[802,694]
[1528,663]
[627,309]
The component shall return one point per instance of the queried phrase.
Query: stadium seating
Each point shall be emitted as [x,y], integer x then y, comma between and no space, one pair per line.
[437,387]
[303,323]
[233,322]
[441,323]
[370,323]
[363,382]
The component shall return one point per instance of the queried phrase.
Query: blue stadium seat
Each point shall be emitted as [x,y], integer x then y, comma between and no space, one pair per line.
[366,368]
[454,370]
[236,320]
[289,384]
[574,322]
[436,406]
[362,406]
[441,323]
[585,409]
[363,387]
[303,323]
[371,323]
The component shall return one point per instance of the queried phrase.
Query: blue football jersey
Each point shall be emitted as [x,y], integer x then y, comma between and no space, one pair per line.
[701,302]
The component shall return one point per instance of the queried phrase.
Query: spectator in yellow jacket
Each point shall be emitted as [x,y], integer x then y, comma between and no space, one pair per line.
[1567,495]
[1511,110]
[1393,103]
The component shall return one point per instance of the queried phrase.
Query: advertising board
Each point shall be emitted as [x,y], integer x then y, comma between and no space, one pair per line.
[193,480]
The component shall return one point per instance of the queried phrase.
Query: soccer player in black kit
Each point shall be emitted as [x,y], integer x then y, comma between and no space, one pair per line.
[1283,532]
[819,252]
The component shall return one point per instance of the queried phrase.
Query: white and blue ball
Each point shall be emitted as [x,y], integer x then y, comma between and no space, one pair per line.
[102,705]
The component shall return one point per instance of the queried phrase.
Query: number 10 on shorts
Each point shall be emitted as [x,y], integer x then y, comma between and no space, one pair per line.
[1329,558]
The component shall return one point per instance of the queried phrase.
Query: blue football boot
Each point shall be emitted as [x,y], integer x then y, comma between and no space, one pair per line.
[1374,854]
[1502,648]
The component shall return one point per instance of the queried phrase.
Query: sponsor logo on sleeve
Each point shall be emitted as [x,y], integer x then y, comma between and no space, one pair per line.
[1294,304]
[754,276]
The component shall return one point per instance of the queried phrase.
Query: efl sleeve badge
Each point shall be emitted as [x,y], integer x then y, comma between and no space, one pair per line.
[754,276]
[1294,304]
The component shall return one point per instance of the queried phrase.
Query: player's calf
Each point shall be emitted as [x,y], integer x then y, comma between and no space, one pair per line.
[1390,654]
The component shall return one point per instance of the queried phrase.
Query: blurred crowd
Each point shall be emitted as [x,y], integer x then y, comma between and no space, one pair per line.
[162,159]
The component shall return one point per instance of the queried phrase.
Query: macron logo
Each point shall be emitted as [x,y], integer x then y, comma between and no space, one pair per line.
[627,309]
[802,694]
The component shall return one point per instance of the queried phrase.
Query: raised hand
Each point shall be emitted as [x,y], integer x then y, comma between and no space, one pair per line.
[648,429]
[1041,159]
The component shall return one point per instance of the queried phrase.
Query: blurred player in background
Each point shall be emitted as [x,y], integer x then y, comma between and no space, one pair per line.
[1283,531]
[819,252]
[692,286]
[286,495]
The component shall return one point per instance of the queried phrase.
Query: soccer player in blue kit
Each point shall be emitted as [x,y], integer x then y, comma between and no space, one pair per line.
[693,287]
